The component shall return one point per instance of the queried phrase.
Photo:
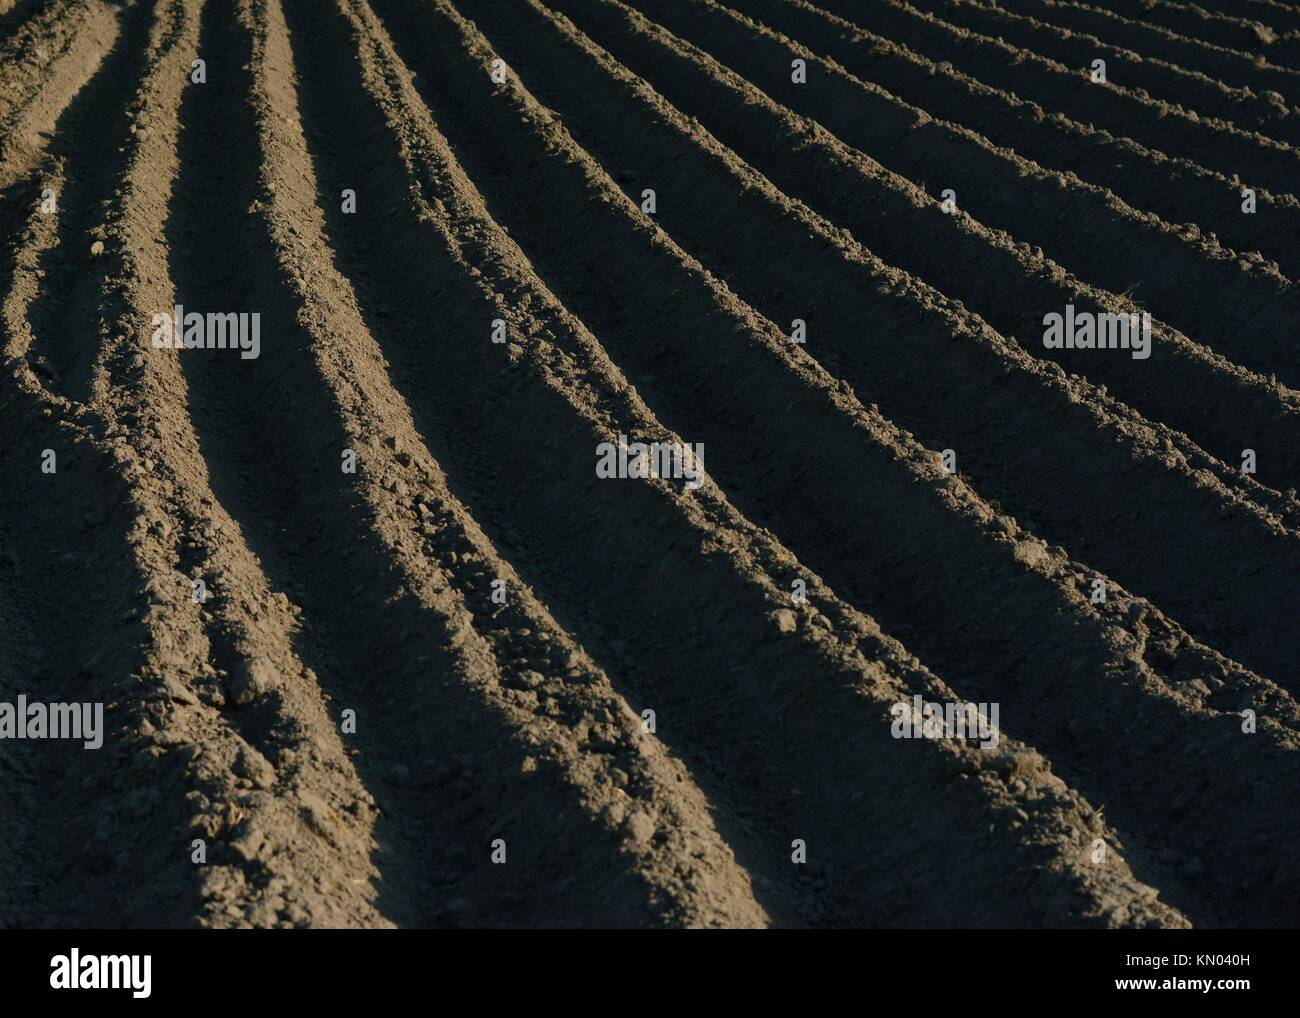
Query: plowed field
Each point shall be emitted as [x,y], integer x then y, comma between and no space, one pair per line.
[380,636]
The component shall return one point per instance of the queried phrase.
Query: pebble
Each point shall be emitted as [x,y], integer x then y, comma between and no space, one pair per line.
[786,621]
[640,827]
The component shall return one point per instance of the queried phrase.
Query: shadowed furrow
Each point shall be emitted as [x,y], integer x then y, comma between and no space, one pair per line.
[1215,59]
[1199,204]
[1164,128]
[558,380]
[757,468]
[1009,283]
[1168,82]
[963,385]
[441,708]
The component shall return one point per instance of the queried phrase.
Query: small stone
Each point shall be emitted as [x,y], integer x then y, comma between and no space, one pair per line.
[1029,553]
[97,248]
[640,827]
[786,621]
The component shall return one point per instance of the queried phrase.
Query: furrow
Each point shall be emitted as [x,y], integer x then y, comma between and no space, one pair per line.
[281,820]
[398,624]
[1216,60]
[87,156]
[83,838]
[41,69]
[28,52]
[1168,129]
[746,703]
[97,836]
[113,841]
[1158,78]
[1159,255]
[1276,16]
[1144,179]
[1198,22]
[800,460]
[649,464]
[980,398]
[1007,283]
